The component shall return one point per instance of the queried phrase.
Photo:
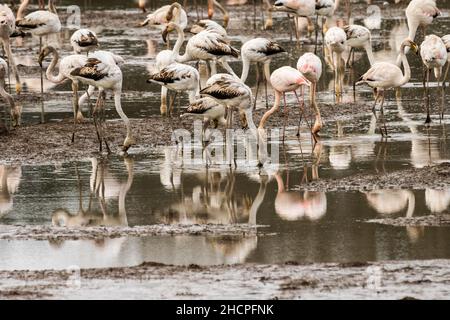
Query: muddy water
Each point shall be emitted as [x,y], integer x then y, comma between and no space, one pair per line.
[301,226]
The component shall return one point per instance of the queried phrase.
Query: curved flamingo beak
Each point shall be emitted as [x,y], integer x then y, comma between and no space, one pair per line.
[303,81]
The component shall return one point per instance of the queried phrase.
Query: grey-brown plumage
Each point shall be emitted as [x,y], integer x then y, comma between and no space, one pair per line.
[221,48]
[168,75]
[87,40]
[221,90]
[89,70]
[271,48]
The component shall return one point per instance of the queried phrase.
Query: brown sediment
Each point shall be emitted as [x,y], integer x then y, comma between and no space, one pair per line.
[435,177]
[433,220]
[380,280]
[60,234]
[51,142]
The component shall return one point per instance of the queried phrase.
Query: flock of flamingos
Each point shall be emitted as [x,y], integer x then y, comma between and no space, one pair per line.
[224,92]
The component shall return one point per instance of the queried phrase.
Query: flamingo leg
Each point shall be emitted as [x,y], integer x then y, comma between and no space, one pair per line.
[428,120]
[42,86]
[317,33]
[385,134]
[75,108]
[286,114]
[257,85]
[446,74]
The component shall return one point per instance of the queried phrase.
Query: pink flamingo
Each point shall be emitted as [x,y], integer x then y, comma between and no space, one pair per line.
[310,66]
[284,79]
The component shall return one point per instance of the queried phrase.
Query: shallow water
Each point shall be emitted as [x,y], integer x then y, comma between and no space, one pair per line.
[301,226]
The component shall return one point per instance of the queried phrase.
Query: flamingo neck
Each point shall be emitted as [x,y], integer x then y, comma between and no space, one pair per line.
[49,73]
[405,63]
[178,43]
[122,115]
[12,62]
[245,69]
[20,12]
[368,48]
[257,203]
[280,184]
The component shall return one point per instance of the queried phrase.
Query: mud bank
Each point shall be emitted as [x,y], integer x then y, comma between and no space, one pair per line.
[384,280]
[58,233]
[51,142]
[436,177]
[442,220]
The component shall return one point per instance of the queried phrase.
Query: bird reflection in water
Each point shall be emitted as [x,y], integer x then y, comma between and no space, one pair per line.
[9,184]
[214,199]
[104,187]
[295,205]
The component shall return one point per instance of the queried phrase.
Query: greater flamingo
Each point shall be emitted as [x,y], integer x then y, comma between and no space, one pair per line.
[14,110]
[7,28]
[283,80]
[434,56]
[102,72]
[84,40]
[310,66]
[384,75]
[336,40]
[233,93]
[259,51]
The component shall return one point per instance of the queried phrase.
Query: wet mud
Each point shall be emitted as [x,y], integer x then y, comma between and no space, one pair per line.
[436,177]
[94,233]
[381,280]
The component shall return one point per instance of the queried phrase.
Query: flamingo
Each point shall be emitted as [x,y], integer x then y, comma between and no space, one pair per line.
[324,9]
[15,110]
[310,66]
[84,40]
[40,23]
[168,13]
[208,25]
[336,40]
[299,8]
[419,13]
[259,51]
[284,79]
[384,75]
[359,37]
[166,57]
[66,66]
[209,46]
[7,28]
[434,56]
[102,72]
[179,78]
[207,109]
[446,40]
[233,93]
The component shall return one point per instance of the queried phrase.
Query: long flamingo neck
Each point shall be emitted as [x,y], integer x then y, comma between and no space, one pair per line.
[245,69]
[280,184]
[22,8]
[179,43]
[405,63]
[122,115]
[369,52]
[12,62]
[49,73]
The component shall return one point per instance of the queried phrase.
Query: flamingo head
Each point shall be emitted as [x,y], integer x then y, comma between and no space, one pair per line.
[44,53]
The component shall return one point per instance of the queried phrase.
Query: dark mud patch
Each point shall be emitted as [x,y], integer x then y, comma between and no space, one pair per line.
[91,233]
[436,177]
[442,220]
[395,280]
[51,142]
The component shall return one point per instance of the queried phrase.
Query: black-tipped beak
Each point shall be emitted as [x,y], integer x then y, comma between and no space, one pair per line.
[164,35]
